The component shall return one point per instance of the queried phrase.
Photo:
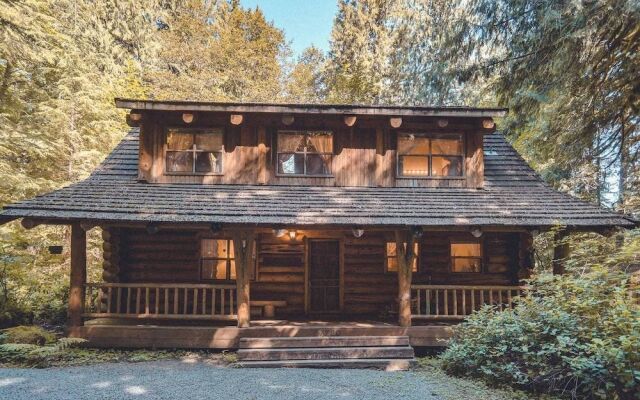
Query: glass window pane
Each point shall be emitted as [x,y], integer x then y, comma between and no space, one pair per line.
[392,264]
[179,141]
[446,166]
[320,142]
[414,165]
[391,249]
[465,249]
[448,146]
[210,141]
[466,265]
[221,269]
[209,162]
[318,164]
[214,248]
[232,253]
[413,145]
[291,163]
[290,142]
[179,161]
[233,269]
[208,269]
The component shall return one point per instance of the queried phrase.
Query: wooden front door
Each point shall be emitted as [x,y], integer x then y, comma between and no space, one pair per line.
[324,276]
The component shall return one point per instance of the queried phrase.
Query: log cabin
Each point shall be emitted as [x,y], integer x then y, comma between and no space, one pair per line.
[302,232]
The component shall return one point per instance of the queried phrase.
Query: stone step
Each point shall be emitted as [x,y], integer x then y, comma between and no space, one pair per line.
[385,364]
[325,353]
[329,341]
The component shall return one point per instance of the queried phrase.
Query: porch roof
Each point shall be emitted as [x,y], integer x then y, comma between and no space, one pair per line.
[513,196]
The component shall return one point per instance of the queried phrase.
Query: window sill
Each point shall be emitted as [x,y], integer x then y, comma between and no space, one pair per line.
[303,176]
[456,178]
[193,174]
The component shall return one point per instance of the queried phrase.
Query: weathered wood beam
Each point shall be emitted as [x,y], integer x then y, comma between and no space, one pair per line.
[30,223]
[78,275]
[188,118]
[288,119]
[561,251]
[243,244]
[134,118]
[395,122]
[236,119]
[349,120]
[88,225]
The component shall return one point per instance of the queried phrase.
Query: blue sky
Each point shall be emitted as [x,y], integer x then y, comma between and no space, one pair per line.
[305,22]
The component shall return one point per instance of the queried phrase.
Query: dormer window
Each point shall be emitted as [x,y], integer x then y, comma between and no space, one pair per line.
[194,151]
[421,155]
[305,153]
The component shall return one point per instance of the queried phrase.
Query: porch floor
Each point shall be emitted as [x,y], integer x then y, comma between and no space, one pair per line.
[105,332]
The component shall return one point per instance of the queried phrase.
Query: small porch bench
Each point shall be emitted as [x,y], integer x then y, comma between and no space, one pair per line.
[268,306]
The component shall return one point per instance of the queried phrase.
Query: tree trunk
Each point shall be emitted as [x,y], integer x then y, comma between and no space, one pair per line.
[4,86]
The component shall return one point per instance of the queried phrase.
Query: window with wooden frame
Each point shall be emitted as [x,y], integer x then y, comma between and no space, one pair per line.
[421,155]
[217,260]
[304,153]
[391,265]
[466,257]
[194,151]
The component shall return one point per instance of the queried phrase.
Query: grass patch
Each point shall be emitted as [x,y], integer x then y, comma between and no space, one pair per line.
[33,356]
[449,387]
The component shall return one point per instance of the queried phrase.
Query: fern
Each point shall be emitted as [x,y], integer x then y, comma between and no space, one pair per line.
[70,343]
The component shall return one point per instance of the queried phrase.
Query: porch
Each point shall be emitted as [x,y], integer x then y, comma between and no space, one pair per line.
[205,316]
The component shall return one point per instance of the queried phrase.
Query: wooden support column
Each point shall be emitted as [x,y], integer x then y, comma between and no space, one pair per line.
[406,257]
[243,244]
[78,275]
[560,251]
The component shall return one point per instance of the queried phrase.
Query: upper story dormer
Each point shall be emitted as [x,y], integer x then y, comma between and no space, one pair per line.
[310,145]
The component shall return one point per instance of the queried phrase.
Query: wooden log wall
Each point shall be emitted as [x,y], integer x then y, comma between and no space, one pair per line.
[172,256]
[364,155]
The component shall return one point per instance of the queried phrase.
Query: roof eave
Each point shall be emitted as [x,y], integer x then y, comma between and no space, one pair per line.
[323,109]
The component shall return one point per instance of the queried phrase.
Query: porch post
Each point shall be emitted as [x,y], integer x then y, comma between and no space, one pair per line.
[243,243]
[560,251]
[405,257]
[78,275]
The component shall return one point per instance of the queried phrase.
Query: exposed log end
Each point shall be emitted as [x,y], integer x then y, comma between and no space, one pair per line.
[350,120]
[236,119]
[395,122]
[188,117]
[288,119]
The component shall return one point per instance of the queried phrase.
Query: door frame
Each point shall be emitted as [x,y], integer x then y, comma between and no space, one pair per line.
[307,293]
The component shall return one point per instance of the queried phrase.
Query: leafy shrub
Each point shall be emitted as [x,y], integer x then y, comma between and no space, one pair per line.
[28,335]
[576,336]
[70,343]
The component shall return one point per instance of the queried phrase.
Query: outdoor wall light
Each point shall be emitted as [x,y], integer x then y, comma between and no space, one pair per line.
[357,233]
[292,234]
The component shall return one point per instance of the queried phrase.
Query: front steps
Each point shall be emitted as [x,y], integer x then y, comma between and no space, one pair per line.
[382,352]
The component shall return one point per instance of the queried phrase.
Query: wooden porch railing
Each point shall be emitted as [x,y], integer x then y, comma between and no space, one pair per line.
[458,302]
[160,301]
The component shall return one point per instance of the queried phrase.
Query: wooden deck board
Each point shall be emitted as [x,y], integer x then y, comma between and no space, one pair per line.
[228,337]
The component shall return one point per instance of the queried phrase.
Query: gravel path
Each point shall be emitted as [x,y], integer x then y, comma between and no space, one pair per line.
[180,380]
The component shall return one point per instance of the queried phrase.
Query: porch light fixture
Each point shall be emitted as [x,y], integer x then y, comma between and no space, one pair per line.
[279,232]
[476,232]
[417,232]
[357,232]
[292,234]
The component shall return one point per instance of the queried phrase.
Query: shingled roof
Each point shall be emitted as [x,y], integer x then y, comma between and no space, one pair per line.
[513,196]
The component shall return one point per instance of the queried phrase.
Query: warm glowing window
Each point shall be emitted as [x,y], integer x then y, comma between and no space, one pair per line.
[421,155]
[466,257]
[305,153]
[392,261]
[217,260]
[194,151]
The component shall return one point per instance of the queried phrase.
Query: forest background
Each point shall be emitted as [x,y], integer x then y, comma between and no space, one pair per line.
[568,70]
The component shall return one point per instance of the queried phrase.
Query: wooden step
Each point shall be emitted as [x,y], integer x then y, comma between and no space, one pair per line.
[377,363]
[330,341]
[325,353]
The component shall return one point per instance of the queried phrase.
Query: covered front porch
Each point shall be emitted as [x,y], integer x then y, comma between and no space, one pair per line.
[318,283]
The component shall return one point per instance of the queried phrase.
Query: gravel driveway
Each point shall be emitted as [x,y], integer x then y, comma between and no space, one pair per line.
[180,380]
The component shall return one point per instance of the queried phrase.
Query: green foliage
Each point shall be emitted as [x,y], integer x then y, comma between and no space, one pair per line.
[28,335]
[577,336]
[70,343]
